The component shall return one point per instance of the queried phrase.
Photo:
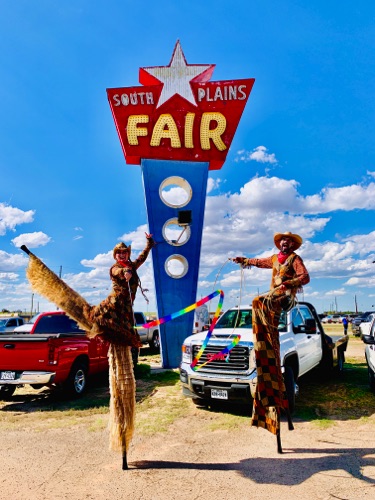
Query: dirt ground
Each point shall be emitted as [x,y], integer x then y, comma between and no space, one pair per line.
[192,461]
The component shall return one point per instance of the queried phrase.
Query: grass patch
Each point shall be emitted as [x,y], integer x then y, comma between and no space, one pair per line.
[159,403]
[339,398]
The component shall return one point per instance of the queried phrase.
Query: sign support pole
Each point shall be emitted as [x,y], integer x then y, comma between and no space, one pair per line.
[176,223]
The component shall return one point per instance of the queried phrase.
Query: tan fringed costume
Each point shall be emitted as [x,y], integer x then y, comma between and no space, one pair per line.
[288,276]
[113,320]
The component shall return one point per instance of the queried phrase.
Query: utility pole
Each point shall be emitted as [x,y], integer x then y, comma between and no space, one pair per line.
[355,302]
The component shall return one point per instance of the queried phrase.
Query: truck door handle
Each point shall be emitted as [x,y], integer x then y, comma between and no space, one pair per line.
[9,346]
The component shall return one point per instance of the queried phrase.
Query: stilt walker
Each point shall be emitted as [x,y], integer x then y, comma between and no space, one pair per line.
[288,275]
[113,320]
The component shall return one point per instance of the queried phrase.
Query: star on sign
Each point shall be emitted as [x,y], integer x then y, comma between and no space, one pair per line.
[176,77]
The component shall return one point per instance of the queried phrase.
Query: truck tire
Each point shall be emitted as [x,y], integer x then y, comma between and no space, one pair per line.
[290,388]
[6,392]
[76,383]
[200,402]
[340,362]
[155,342]
[135,356]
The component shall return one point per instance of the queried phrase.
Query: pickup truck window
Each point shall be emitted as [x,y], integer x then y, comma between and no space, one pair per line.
[299,317]
[59,323]
[235,319]
[139,319]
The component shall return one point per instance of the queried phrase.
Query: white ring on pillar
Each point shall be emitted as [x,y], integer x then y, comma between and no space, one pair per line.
[183,190]
[176,266]
[176,236]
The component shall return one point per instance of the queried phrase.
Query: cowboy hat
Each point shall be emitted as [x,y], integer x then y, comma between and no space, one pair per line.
[295,237]
[121,247]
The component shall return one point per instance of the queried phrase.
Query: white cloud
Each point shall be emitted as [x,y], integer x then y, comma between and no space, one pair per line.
[12,262]
[212,184]
[31,240]
[243,223]
[102,260]
[258,154]
[136,239]
[11,217]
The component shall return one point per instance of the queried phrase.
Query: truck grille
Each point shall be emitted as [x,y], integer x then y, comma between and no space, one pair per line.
[238,360]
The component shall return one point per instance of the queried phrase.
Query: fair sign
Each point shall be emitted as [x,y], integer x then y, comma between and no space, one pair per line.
[178,114]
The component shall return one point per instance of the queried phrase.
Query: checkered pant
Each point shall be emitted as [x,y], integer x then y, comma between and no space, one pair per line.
[270,394]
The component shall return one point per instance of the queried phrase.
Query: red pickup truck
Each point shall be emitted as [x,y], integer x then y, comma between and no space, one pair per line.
[50,350]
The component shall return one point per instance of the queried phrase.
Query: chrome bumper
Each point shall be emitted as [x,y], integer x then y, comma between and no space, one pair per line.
[195,383]
[43,378]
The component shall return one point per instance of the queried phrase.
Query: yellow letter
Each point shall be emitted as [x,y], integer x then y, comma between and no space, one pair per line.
[166,128]
[189,121]
[133,131]
[214,134]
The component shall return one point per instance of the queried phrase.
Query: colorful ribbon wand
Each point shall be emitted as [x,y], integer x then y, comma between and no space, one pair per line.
[194,365]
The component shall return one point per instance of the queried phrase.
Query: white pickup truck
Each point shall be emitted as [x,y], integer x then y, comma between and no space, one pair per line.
[303,346]
[148,336]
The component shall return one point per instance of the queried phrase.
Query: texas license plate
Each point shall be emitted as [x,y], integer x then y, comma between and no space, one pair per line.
[7,375]
[219,394]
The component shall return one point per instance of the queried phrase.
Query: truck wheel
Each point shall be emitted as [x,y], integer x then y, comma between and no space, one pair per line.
[135,356]
[76,384]
[7,391]
[200,402]
[155,342]
[290,388]
[340,362]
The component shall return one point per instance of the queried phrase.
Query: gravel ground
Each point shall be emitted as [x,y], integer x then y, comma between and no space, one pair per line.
[192,461]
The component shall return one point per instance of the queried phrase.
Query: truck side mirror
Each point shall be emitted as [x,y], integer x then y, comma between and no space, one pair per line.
[368,339]
[308,327]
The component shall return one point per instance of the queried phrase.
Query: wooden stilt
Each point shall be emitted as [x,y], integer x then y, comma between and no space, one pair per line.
[124,461]
[289,417]
[279,447]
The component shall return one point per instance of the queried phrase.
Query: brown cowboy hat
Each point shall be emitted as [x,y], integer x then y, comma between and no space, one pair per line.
[295,237]
[121,247]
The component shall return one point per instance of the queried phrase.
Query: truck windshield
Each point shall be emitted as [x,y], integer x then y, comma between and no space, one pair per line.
[242,318]
[235,319]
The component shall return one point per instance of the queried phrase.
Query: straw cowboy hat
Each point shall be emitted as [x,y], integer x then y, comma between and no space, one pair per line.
[295,237]
[121,247]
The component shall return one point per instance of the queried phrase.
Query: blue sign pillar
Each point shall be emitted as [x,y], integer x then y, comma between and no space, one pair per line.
[175,198]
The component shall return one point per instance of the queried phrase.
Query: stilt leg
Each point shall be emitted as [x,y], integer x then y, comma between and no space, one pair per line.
[289,417]
[279,447]
[124,461]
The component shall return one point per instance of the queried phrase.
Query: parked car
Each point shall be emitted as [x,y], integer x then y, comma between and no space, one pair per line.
[51,350]
[358,320]
[365,326]
[369,340]
[148,336]
[8,324]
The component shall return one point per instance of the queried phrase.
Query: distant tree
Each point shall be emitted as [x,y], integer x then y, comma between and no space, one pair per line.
[5,311]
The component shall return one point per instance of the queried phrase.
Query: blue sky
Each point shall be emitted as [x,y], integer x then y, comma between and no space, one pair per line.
[302,160]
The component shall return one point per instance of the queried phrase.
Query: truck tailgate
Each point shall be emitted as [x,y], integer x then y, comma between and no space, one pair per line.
[24,352]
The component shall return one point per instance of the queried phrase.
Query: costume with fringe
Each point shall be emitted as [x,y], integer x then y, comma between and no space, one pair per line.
[113,320]
[270,395]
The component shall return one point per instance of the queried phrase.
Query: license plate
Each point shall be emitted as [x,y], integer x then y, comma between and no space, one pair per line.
[8,375]
[219,394]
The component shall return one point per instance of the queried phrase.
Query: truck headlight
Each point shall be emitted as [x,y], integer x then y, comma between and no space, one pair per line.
[186,353]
